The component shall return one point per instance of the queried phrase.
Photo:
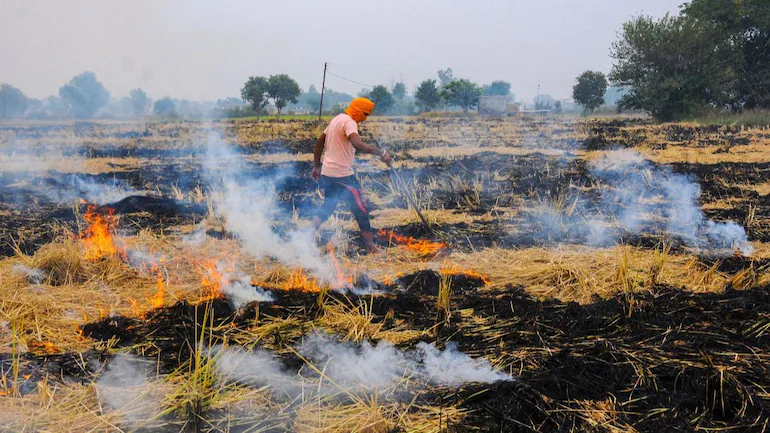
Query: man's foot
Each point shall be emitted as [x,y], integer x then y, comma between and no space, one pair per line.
[369,243]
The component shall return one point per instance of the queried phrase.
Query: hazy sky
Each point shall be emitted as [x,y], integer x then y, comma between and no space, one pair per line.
[205,50]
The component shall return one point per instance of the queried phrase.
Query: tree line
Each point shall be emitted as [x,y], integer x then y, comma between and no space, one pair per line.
[84,96]
[713,56]
[429,95]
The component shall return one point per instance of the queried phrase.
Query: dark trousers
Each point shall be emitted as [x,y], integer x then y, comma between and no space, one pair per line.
[347,189]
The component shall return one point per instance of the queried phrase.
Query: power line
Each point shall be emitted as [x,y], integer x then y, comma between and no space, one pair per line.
[348,79]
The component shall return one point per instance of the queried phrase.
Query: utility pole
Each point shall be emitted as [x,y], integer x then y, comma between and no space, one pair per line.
[537,99]
[323,85]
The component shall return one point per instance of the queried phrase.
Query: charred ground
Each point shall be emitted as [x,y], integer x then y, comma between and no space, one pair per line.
[643,349]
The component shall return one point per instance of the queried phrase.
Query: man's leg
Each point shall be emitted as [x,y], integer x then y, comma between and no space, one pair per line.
[332,192]
[355,200]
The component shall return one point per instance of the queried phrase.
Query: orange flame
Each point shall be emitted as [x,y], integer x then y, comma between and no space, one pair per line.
[98,235]
[342,280]
[454,271]
[157,300]
[299,281]
[44,347]
[213,280]
[420,246]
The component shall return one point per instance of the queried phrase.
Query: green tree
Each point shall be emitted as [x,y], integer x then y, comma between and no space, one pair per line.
[382,99]
[497,88]
[255,92]
[743,28]
[165,107]
[311,99]
[557,108]
[675,66]
[84,95]
[445,76]
[463,93]
[427,95]
[13,103]
[589,90]
[282,89]
[138,100]
[399,91]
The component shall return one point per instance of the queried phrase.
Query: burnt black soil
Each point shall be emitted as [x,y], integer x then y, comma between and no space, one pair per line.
[667,360]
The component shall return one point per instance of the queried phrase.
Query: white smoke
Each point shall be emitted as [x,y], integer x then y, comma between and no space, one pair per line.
[33,275]
[452,367]
[258,368]
[237,288]
[248,206]
[124,387]
[45,168]
[350,366]
[637,196]
[637,189]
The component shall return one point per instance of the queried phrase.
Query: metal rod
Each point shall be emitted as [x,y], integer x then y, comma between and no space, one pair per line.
[405,190]
[323,86]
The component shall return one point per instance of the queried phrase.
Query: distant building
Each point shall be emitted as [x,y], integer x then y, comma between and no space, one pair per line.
[497,105]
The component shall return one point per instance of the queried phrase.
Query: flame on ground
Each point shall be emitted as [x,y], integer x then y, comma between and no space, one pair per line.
[420,246]
[97,237]
[213,280]
[44,347]
[299,281]
[342,280]
[157,300]
[468,273]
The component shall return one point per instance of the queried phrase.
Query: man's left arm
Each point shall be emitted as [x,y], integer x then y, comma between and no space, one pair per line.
[319,148]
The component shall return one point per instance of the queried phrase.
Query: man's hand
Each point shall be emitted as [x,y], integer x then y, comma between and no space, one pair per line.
[316,172]
[385,157]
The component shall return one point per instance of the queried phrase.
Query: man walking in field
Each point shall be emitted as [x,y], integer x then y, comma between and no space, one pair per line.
[339,143]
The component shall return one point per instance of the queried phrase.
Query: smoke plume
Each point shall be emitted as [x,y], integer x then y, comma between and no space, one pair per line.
[249,207]
[350,366]
[124,387]
[637,196]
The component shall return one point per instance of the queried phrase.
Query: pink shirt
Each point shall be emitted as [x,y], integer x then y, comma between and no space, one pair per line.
[338,150]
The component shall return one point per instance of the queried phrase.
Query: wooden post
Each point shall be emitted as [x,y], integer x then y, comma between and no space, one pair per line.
[323,85]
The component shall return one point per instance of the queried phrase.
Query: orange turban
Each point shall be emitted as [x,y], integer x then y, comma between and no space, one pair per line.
[358,107]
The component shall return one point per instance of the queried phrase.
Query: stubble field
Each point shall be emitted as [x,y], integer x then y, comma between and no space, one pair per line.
[604,275]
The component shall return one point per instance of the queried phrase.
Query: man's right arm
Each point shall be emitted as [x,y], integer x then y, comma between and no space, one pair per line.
[362,147]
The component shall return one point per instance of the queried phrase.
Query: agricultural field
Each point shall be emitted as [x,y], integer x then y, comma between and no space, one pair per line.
[581,275]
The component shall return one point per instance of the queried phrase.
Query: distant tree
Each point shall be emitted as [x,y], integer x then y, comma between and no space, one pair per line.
[427,95]
[282,89]
[399,91]
[498,88]
[165,107]
[589,90]
[13,103]
[676,67]
[445,76]
[557,108]
[139,101]
[84,95]
[310,99]
[742,35]
[382,99]
[333,99]
[53,106]
[255,92]
[462,92]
